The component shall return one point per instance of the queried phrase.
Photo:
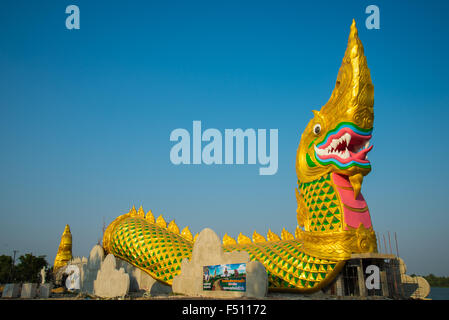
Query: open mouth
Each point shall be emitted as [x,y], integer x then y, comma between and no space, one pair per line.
[347,145]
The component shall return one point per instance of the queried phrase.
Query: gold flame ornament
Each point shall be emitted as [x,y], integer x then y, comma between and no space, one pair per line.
[64,254]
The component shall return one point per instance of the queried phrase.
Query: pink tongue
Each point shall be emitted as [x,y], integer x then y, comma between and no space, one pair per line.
[352,218]
[360,155]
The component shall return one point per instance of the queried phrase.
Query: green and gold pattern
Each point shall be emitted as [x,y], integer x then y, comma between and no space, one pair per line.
[159,252]
[322,203]
[288,267]
[148,245]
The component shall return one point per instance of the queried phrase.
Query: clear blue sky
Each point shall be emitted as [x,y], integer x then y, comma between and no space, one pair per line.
[86,115]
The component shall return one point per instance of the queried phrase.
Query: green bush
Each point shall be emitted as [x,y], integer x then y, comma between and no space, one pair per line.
[27,270]
[5,268]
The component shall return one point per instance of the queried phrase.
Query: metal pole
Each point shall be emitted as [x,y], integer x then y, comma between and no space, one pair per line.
[385,243]
[389,242]
[361,280]
[11,273]
[378,243]
[396,240]
[103,231]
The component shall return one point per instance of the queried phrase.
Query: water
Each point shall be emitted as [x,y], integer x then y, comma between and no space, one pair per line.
[439,293]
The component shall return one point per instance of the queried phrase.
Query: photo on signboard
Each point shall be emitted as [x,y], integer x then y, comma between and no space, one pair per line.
[225,277]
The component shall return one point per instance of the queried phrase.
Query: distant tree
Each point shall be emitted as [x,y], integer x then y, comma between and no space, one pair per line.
[29,267]
[5,268]
[49,275]
[435,281]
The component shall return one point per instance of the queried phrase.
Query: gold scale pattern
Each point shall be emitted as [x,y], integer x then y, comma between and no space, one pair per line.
[323,204]
[150,246]
[159,252]
[288,267]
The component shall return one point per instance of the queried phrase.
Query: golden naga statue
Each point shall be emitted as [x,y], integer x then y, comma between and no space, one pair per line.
[64,254]
[333,217]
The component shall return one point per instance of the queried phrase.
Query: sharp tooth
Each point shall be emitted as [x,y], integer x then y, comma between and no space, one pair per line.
[345,138]
[348,138]
[346,154]
[367,144]
[320,151]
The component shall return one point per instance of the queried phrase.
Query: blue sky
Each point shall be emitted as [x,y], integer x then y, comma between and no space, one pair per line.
[86,115]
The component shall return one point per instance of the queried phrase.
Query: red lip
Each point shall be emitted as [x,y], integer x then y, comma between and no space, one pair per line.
[345,146]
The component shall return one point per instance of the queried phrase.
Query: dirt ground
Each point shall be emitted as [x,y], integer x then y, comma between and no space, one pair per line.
[143,295]
[146,296]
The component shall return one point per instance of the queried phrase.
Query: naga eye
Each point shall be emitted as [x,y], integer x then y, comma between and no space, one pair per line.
[317,129]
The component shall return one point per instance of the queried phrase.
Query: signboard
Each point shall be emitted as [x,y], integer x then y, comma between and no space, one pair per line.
[225,277]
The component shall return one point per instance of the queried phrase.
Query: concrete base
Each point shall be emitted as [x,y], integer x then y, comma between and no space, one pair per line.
[29,291]
[208,251]
[110,282]
[340,286]
[141,281]
[414,287]
[44,290]
[394,283]
[158,288]
[11,290]
[90,269]
[256,280]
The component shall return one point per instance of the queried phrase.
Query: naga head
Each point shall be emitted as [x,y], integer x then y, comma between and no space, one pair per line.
[337,137]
